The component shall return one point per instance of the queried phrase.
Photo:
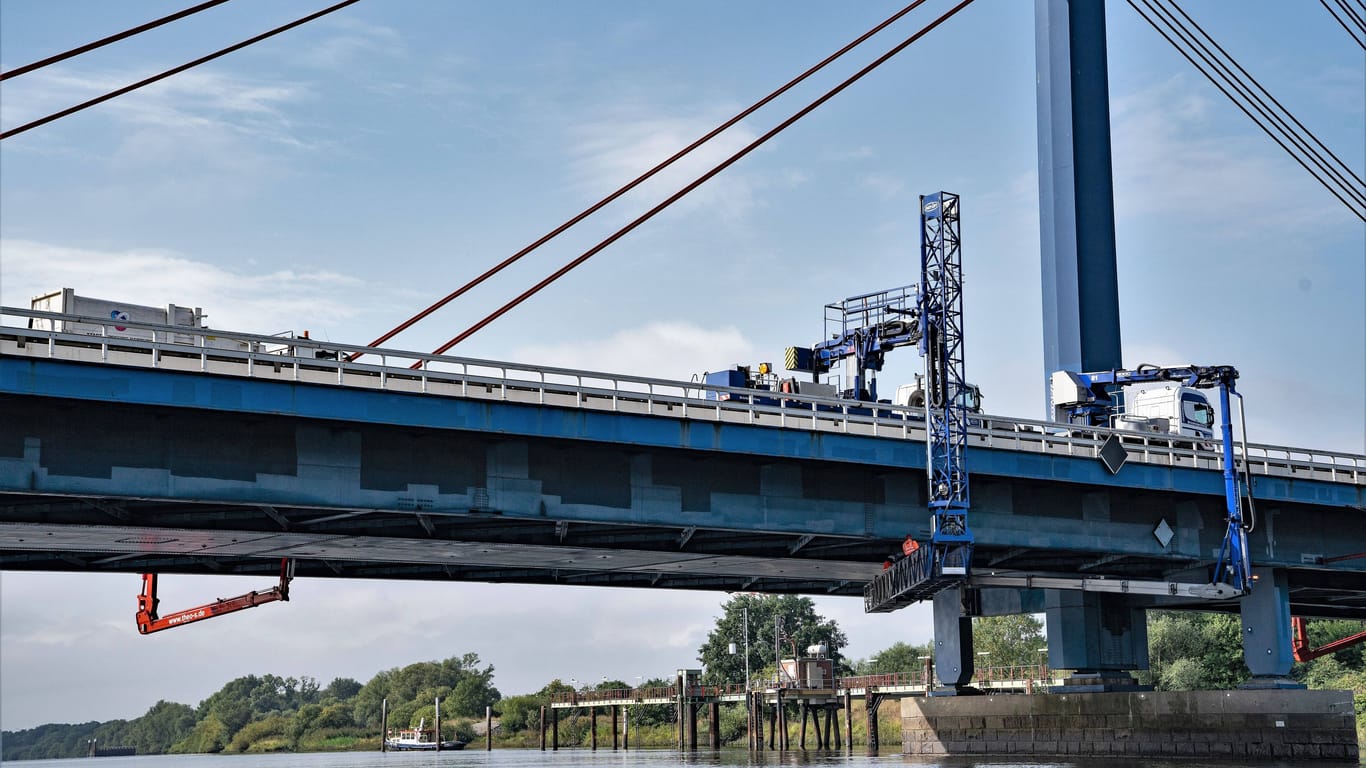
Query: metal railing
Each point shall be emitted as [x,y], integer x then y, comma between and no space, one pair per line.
[1026,676]
[178,348]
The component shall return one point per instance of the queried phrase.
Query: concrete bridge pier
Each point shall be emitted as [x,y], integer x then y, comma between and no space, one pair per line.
[1267,645]
[1100,636]
[953,655]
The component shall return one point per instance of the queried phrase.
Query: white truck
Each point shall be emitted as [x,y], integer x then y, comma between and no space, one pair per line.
[1167,408]
[66,301]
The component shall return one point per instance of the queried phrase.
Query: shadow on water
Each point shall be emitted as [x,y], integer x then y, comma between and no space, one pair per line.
[582,758]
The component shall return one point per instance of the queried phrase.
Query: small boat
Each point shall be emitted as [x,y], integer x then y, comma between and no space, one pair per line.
[420,738]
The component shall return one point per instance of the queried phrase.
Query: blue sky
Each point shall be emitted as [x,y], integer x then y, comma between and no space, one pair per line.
[341,176]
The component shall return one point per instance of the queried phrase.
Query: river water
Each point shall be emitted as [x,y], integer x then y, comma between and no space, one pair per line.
[582,758]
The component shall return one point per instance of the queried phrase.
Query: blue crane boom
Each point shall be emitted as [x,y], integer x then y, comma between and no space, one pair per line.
[1094,405]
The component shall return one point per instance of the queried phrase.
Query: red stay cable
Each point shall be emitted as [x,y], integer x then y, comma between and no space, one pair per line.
[696,183]
[127,33]
[594,208]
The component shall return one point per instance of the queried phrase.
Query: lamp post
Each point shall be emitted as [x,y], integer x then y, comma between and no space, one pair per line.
[641,678]
[746,650]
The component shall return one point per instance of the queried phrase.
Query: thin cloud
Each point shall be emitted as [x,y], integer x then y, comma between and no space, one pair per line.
[187,103]
[608,153]
[665,350]
[259,302]
[357,43]
[1171,159]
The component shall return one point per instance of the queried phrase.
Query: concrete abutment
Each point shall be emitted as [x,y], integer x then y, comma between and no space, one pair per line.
[1241,726]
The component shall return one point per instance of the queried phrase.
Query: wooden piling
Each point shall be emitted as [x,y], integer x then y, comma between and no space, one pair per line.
[692,725]
[625,727]
[829,715]
[835,715]
[384,725]
[806,712]
[714,723]
[593,728]
[437,702]
[848,719]
[542,727]
[773,726]
[488,728]
[782,722]
[616,711]
[757,716]
[554,730]
[871,701]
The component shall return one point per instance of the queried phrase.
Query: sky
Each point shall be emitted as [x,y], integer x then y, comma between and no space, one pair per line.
[343,175]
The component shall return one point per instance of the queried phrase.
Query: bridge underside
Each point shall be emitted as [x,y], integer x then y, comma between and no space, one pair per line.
[43,533]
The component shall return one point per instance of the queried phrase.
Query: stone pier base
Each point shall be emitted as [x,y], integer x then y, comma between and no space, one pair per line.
[1238,726]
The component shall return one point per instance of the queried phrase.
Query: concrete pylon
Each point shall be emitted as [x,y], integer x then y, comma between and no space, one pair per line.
[953,654]
[1267,647]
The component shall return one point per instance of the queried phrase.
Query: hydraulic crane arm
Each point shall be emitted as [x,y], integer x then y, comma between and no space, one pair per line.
[1234,567]
[148,621]
[1303,651]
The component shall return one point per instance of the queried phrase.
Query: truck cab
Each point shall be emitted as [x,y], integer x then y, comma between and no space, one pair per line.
[1171,409]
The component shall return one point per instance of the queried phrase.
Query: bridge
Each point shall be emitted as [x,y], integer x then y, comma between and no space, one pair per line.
[224,453]
[219,452]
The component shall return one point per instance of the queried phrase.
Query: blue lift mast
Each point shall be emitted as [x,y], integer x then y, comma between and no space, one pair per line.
[925,571]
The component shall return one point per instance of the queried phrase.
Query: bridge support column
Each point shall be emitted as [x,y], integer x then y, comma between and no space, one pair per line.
[615,712]
[542,728]
[593,728]
[625,727]
[1267,645]
[773,725]
[555,730]
[714,723]
[806,711]
[1101,637]
[953,655]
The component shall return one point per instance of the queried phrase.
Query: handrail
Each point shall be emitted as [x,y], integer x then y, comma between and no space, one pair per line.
[988,676]
[317,361]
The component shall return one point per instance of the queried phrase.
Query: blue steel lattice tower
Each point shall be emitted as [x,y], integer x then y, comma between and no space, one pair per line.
[926,571]
[946,389]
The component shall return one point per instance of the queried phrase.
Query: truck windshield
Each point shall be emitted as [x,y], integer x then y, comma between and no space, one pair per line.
[1195,409]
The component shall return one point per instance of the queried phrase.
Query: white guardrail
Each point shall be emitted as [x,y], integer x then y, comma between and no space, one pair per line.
[275,358]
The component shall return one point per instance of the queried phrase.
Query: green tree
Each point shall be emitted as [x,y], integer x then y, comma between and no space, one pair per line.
[895,658]
[416,683]
[341,689]
[154,733]
[1008,641]
[1188,650]
[519,713]
[798,626]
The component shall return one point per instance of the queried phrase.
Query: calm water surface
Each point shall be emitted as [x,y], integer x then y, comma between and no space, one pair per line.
[580,758]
